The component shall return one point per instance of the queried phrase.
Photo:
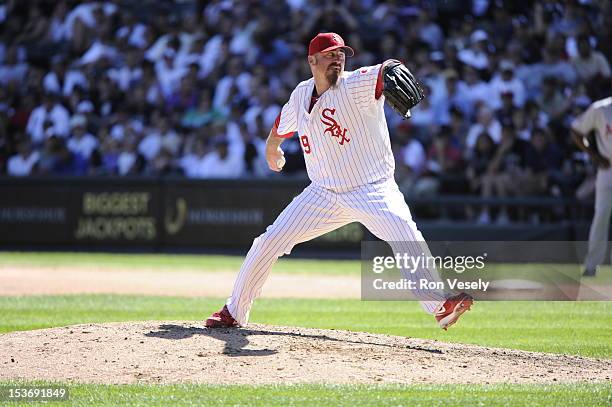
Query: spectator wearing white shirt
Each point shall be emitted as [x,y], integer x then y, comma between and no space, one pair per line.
[453,94]
[192,55]
[169,75]
[13,70]
[423,114]
[262,104]
[190,162]
[213,55]
[476,54]
[243,42]
[51,111]
[85,14]
[58,28]
[217,47]
[592,69]
[170,140]
[413,156]
[81,142]
[222,162]
[476,90]
[130,161]
[122,125]
[189,31]
[589,63]
[553,64]
[86,108]
[169,40]
[24,162]
[429,31]
[159,136]
[151,144]
[150,83]
[54,79]
[132,31]
[236,77]
[485,123]
[102,48]
[128,74]
[504,83]
[63,80]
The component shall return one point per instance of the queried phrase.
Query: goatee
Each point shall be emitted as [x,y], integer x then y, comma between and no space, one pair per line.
[332,77]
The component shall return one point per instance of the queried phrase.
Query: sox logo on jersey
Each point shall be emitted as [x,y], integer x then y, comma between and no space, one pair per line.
[343,132]
[333,128]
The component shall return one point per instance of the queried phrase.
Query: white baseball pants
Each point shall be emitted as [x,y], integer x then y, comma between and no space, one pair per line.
[380,207]
[598,234]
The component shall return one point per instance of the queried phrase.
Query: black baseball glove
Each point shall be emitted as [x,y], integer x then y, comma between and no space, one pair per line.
[402,91]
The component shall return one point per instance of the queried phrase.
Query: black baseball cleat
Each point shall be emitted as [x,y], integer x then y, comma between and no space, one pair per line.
[589,272]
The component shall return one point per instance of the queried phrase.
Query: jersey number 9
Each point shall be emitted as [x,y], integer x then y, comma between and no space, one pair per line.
[305,144]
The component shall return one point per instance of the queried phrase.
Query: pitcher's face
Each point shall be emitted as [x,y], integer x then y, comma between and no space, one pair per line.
[328,64]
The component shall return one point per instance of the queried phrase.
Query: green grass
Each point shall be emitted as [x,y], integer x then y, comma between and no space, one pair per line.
[580,328]
[215,263]
[169,262]
[345,395]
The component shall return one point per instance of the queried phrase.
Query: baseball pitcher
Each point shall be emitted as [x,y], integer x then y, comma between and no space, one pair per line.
[597,119]
[339,119]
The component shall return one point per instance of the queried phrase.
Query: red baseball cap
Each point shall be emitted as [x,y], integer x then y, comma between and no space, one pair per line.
[324,42]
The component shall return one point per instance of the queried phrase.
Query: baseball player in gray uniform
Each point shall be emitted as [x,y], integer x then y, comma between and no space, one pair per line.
[598,119]
[339,119]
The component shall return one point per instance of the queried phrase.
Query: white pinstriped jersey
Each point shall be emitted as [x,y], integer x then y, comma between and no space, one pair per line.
[344,138]
[598,117]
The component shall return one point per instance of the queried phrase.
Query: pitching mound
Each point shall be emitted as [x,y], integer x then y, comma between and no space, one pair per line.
[170,352]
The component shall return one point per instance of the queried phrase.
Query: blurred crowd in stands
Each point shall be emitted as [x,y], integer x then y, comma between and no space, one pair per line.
[192,88]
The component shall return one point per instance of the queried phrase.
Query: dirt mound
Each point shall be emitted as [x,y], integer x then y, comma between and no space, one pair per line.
[171,352]
[49,280]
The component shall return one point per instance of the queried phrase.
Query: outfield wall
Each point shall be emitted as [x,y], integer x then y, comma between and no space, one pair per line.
[173,213]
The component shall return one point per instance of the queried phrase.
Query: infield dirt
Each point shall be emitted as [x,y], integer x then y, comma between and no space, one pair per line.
[178,352]
[43,280]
